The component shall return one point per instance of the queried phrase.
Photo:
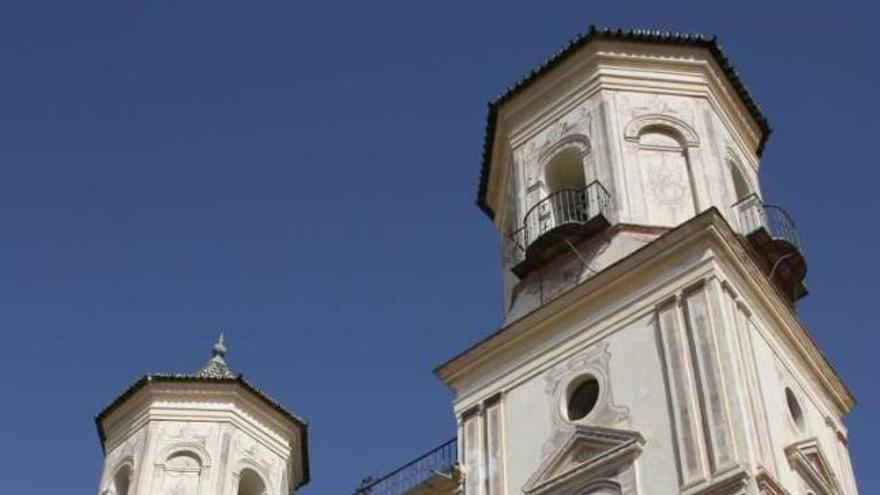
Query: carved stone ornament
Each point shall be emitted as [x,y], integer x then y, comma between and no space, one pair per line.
[592,455]
[594,362]
[634,128]
[808,460]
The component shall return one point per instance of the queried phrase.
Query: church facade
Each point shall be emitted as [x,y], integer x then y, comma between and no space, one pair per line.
[650,343]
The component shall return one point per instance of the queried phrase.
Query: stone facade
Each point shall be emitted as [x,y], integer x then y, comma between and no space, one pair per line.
[702,378]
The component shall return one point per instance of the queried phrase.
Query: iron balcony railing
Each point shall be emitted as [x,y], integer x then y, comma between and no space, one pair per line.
[563,207]
[442,460]
[752,215]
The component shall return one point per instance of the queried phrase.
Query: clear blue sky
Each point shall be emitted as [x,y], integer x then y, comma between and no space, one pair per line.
[302,175]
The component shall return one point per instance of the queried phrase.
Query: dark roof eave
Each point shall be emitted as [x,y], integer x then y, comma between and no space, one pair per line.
[642,36]
[300,423]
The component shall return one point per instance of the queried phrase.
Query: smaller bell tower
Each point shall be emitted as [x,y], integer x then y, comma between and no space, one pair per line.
[205,433]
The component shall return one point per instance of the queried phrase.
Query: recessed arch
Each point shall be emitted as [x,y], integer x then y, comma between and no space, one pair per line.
[742,184]
[182,468]
[250,482]
[192,448]
[246,465]
[122,477]
[664,162]
[575,141]
[565,170]
[639,125]
[564,163]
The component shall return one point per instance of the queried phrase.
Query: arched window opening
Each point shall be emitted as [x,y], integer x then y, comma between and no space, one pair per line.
[566,183]
[666,177]
[565,171]
[250,483]
[740,186]
[121,481]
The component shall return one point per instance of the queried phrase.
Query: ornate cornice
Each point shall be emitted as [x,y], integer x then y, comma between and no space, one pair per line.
[708,229]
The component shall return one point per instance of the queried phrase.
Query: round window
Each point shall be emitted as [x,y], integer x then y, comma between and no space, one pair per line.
[582,399]
[794,408]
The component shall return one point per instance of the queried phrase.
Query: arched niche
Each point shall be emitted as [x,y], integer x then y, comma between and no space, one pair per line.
[250,478]
[686,134]
[183,469]
[664,161]
[193,449]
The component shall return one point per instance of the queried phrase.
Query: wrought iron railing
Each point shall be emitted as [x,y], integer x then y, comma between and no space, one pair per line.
[753,214]
[563,207]
[442,459]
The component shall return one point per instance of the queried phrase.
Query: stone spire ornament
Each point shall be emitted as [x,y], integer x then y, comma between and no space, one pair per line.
[216,367]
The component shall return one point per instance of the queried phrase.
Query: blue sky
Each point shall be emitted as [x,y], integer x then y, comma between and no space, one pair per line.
[302,176]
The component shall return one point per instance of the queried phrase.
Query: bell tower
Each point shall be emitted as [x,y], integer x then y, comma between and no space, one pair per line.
[205,433]
[633,135]
[650,343]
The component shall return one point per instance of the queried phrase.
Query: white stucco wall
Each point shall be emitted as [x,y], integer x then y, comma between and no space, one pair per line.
[196,439]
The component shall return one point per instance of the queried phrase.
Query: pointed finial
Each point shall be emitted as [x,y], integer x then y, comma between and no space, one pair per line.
[220,347]
[216,367]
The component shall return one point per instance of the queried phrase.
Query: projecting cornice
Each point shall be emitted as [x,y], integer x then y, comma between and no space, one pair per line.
[709,230]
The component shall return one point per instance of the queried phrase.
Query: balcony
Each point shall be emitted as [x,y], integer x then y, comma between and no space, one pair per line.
[434,473]
[557,222]
[774,238]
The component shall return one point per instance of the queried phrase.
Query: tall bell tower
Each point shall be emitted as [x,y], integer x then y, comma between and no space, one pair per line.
[650,342]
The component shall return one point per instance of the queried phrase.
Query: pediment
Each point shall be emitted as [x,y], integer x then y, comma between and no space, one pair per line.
[809,460]
[589,452]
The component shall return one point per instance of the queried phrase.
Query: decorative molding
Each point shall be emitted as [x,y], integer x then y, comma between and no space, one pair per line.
[636,126]
[807,458]
[178,447]
[578,141]
[767,485]
[594,361]
[591,455]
